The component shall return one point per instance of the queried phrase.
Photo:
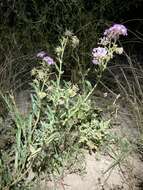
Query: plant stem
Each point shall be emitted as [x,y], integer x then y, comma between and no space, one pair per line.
[89,94]
[63,45]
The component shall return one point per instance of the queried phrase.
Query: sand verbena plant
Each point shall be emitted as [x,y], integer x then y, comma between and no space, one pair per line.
[62,120]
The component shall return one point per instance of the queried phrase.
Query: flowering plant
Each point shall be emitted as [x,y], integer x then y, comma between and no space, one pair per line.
[62,118]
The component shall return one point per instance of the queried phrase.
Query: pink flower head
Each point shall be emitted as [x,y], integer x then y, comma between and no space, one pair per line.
[44,56]
[41,54]
[98,55]
[99,52]
[115,31]
[49,60]
[95,61]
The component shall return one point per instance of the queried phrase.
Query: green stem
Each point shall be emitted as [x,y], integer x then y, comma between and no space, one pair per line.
[63,45]
[91,92]
[102,68]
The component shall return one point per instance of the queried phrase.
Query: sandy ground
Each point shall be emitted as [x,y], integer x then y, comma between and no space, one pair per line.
[127,176]
[103,172]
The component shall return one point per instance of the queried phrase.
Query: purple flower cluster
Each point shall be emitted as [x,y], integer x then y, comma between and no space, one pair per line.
[44,56]
[105,53]
[98,54]
[115,31]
